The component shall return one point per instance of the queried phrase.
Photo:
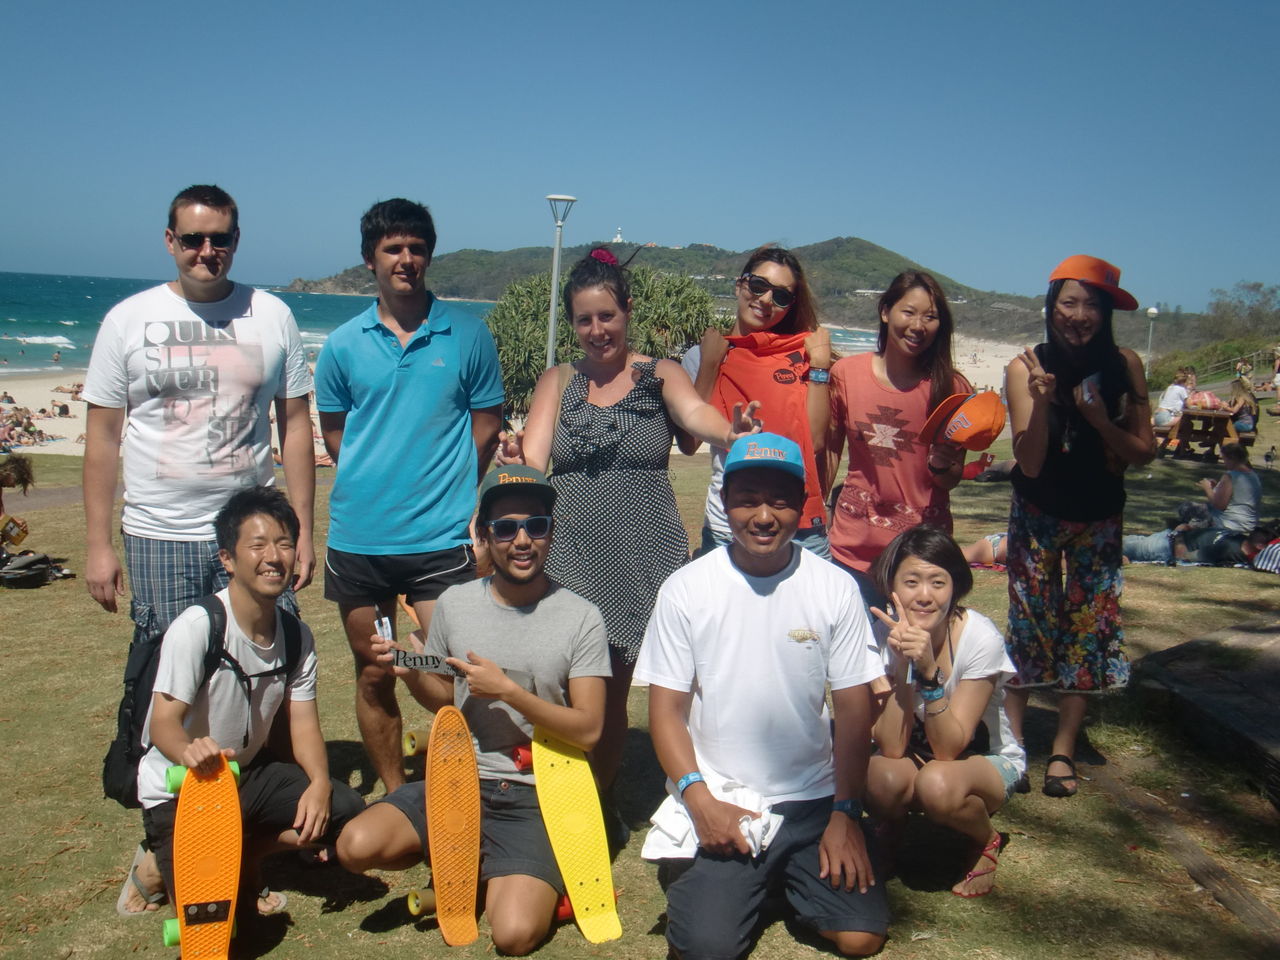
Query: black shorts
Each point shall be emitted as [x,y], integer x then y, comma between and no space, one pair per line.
[269,795]
[513,840]
[363,580]
[714,902]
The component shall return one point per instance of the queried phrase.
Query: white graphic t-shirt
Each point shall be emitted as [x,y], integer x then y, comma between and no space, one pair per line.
[197,381]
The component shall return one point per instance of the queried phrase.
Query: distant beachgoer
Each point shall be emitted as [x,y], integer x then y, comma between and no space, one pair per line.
[605,425]
[16,471]
[57,357]
[7,397]
[1174,398]
[1234,502]
[776,353]
[1079,410]
[1243,406]
[879,404]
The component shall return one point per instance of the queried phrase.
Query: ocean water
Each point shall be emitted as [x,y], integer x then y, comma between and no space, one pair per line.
[43,315]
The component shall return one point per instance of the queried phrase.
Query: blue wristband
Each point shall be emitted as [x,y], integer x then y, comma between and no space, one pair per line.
[930,694]
[819,375]
[688,780]
[851,808]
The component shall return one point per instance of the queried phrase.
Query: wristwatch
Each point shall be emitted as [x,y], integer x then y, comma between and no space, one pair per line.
[819,375]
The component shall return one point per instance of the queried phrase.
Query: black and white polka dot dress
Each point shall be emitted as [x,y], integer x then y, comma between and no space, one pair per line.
[618,532]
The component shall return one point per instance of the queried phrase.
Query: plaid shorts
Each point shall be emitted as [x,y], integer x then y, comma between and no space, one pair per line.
[167,576]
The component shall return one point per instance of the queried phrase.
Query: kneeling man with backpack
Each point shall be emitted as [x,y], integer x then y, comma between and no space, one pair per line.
[230,667]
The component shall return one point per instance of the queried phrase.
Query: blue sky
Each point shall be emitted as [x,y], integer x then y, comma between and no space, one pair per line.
[987,140]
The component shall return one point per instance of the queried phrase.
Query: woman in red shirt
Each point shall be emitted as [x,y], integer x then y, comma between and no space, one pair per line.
[879,404]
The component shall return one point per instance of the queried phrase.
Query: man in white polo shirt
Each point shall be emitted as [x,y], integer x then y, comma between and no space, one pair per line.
[742,647]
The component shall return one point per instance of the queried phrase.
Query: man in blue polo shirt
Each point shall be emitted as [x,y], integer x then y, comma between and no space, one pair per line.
[410,401]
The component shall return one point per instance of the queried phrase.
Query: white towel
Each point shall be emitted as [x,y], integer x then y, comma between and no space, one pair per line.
[672,836]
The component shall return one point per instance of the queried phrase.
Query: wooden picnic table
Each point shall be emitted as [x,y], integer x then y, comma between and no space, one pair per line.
[1209,429]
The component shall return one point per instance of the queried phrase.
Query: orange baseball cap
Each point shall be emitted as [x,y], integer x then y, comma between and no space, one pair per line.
[1096,273]
[973,420]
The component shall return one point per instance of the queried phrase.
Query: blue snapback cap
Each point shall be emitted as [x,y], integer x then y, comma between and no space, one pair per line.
[765,450]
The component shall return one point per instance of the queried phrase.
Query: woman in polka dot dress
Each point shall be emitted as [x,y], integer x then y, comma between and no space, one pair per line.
[605,424]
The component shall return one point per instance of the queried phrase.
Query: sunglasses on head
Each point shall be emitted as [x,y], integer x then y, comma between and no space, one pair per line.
[195,241]
[759,286]
[507,529]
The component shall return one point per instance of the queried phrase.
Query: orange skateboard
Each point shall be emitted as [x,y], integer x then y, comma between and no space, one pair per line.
[453,827]
[207,840]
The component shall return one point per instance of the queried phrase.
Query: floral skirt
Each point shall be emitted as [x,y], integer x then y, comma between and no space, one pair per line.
[1064,601]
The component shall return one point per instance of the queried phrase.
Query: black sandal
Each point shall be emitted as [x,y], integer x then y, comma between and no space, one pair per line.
[1053,783]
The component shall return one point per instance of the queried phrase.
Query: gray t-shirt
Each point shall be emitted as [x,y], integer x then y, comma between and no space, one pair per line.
[541,647]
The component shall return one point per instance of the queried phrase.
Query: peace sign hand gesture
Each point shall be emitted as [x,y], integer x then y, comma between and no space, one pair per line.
[911,642]
[1039,383]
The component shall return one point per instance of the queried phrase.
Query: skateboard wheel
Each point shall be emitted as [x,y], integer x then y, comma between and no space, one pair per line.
[420,902]
[173,778]
[172,933]
[415,742]
[234,767]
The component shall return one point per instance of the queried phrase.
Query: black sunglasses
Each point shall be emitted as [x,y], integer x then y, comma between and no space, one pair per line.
[759,286]
[220,241]
[506,529]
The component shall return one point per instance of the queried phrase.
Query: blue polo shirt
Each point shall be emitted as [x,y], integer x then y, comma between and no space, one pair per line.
[406,478]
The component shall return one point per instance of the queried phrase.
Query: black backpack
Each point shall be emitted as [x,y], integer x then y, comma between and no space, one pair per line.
[120,765]
[25,570]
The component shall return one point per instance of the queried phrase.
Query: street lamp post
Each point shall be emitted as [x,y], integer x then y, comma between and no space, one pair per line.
[1152,313]
[560,205]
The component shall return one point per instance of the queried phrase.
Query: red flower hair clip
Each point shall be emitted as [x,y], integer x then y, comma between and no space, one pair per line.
[604,256]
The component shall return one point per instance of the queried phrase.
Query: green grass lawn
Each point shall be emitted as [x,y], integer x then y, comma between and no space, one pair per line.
[1080,877]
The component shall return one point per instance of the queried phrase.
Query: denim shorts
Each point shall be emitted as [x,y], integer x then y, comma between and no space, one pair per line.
[1008,771]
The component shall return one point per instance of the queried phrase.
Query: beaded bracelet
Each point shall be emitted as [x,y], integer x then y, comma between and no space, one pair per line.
[688,780]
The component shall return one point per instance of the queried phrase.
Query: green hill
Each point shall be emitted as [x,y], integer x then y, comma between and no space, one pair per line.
[838,268]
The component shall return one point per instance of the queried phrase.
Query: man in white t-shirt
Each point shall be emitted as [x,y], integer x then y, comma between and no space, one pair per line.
[194,367]
[198,713]
[742,647]
[189,372]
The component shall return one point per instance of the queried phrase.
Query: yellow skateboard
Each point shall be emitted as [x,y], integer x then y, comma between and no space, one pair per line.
[571,812]
[453,827]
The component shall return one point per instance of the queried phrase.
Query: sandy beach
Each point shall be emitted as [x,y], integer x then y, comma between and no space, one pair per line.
[37,391]
[982,361]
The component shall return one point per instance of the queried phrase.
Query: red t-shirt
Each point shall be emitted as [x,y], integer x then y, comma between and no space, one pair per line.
[888,488]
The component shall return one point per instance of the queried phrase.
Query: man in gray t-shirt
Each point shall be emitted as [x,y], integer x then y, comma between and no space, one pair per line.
[510,651]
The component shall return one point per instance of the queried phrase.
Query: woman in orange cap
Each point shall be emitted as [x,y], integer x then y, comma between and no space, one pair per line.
[1080,416]
[879,404]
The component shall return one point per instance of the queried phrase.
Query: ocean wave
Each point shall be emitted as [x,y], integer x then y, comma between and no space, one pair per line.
[59,341]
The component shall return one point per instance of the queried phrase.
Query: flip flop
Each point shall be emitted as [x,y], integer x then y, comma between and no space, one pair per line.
[991,852]
[265,894]
[131,883]
[1053,783]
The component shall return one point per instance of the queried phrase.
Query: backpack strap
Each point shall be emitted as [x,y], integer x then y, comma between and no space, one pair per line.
[212,605]
[217,654]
